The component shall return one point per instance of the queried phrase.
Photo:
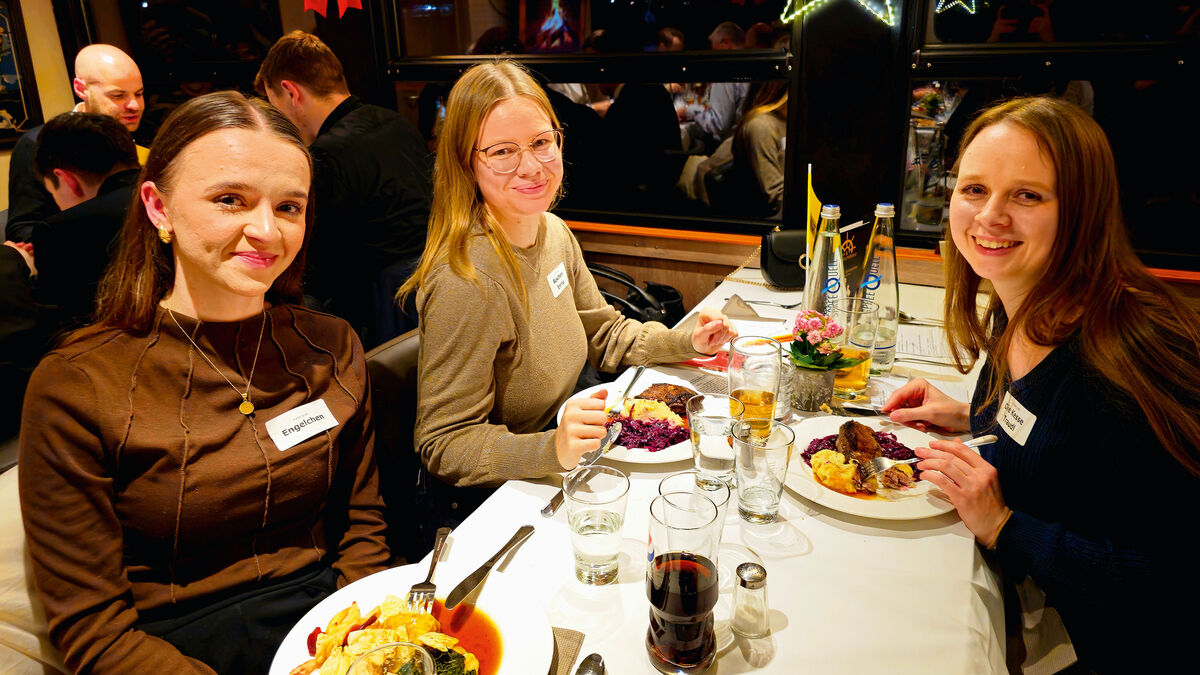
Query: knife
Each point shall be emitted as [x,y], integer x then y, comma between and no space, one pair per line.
[587,459]
[464,587]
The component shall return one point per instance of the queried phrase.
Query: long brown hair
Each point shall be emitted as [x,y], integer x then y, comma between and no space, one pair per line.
[457,203]
[143,270]
[1134,330]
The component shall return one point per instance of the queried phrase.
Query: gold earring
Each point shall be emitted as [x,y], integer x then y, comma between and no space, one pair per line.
[164,236]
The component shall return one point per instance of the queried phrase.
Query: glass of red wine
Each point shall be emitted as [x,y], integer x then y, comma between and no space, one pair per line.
[681,582]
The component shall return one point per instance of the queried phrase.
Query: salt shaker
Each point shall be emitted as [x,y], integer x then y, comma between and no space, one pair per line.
[750,602]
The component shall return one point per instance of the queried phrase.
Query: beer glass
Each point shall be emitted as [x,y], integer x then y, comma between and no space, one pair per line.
[681,582]
[755,366]
[762,457]
[860,319]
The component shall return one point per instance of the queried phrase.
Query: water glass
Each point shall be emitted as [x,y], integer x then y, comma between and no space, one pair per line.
[681,582]
[755,365]
[695,482]
[762,451]
[595,498]
[711,419]
[393,657]
[860,318]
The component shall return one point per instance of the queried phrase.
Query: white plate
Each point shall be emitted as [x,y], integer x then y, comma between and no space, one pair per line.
[923,500]
[527,643]
[672,453]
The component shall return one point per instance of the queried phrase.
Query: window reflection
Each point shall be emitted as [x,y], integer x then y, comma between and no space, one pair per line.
[1038,21]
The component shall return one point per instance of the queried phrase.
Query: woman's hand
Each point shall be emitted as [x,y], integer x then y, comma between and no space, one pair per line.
[972,485]
[924,407]
[581,428]
[712,330]
[26,251]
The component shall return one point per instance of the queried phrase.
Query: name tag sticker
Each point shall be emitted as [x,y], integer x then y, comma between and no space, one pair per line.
[558,279]
[1016,420]
[300,424]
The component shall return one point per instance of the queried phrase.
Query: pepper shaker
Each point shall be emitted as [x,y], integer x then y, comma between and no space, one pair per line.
[750,602]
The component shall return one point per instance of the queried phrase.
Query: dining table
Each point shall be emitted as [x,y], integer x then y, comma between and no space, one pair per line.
[846,593]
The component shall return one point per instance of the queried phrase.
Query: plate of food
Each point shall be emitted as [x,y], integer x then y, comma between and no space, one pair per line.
[500,634]
[653,420]
[826,468]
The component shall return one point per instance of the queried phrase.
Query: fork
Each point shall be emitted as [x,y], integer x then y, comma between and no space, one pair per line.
[420,596]
[794,305]
[880,464]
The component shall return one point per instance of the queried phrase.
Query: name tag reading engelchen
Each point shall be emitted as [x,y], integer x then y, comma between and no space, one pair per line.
[558,279]
[1015,419]
[300,424]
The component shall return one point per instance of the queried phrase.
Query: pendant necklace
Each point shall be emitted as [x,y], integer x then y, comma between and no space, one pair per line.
[246,407]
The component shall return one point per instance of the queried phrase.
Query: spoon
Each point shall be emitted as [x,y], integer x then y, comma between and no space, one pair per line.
[592,665]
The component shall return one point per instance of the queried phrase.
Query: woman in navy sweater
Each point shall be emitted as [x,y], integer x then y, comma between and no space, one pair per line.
[1092,383]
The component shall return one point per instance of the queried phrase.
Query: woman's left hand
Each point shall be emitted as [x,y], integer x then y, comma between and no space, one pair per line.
[972,485]
[712,330]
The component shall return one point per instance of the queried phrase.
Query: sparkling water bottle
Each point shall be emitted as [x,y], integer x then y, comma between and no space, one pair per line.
[879,285]
[825,279]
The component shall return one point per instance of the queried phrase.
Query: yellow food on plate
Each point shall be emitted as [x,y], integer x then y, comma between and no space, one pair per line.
[642,409]
[831,469]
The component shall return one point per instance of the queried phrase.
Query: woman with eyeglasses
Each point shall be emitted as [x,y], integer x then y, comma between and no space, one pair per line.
[509,312]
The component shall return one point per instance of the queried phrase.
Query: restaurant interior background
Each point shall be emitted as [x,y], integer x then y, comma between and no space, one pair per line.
[879,91]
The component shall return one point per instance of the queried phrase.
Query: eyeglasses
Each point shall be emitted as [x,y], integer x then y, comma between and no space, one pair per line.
[506,157]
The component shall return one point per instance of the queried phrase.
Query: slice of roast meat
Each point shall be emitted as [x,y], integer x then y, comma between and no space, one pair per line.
[674,395]
[857,442]
[895,478]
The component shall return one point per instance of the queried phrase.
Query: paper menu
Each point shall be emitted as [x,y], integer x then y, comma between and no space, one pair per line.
[926,341]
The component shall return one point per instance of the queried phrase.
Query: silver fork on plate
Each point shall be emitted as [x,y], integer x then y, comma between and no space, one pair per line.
[420,596]
[880,464]
[793,305]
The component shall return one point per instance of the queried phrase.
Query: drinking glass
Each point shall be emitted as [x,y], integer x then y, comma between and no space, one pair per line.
[393,657]
[754,369]
[681,582]
[711,419]
[860,319]
[762,456]
[595,498]
[695,482]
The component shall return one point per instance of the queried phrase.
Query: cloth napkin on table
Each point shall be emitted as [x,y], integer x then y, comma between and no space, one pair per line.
[566,647]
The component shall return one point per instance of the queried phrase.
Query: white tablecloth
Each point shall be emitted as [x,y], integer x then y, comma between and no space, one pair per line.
[847,594]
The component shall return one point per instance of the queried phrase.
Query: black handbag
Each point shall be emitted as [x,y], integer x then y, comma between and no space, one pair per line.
[780,258]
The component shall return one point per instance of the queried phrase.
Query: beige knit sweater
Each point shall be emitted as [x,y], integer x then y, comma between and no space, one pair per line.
[493,374]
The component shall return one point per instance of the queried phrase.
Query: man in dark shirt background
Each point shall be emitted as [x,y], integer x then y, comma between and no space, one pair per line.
[107,82]
[372,187]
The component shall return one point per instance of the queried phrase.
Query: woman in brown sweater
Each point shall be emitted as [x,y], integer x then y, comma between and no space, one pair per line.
[509,311]
[197,467]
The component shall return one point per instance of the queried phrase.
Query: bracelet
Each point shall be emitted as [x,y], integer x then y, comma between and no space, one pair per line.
[996,536]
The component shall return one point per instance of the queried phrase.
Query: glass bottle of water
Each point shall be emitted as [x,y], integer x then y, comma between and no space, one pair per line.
[879,285]
[825,279]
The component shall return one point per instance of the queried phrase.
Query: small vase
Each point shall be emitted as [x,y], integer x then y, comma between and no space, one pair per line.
[811,388]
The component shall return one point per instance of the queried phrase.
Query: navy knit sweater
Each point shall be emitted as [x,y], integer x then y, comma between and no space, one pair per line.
[1104,519]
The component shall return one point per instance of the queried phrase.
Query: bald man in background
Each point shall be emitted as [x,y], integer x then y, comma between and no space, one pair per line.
[107,82]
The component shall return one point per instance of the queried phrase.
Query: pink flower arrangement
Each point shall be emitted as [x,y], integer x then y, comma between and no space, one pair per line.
[812,345]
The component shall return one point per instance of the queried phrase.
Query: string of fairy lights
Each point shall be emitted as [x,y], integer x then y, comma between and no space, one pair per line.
[944,5]
[880,10]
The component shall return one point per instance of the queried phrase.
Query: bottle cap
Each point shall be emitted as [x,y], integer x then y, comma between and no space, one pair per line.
[831,211]
[885,210]
[751,575]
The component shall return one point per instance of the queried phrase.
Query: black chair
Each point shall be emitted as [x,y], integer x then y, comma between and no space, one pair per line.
[392,367]
[638,303]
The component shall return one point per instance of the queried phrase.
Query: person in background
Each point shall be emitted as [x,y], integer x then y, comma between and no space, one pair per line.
[671,39]
[758,147]
[89,165]
[372,185]
[107,82]
[509,311]
[1092,383]
[712,120]
[173,528]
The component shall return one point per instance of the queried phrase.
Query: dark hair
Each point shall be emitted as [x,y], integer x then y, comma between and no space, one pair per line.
[302,58]
[143,270]
[669,34]
[1093,285]
[89,144]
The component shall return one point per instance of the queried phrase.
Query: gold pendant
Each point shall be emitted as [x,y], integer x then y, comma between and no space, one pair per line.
[246,408]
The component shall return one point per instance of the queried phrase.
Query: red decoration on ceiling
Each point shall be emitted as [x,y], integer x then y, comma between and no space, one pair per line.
[318,6]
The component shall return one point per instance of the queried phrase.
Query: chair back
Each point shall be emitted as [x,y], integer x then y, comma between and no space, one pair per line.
[392,367]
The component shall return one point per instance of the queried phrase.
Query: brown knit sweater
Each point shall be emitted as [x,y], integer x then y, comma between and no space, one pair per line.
[493,373]
[142,485]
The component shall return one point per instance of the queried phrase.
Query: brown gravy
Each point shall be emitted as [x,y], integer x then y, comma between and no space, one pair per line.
[476,633]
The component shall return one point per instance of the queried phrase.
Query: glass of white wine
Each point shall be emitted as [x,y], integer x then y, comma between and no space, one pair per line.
[755,367]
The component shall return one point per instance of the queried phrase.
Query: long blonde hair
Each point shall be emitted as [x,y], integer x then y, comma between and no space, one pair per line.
[1135,331]
[458,205]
